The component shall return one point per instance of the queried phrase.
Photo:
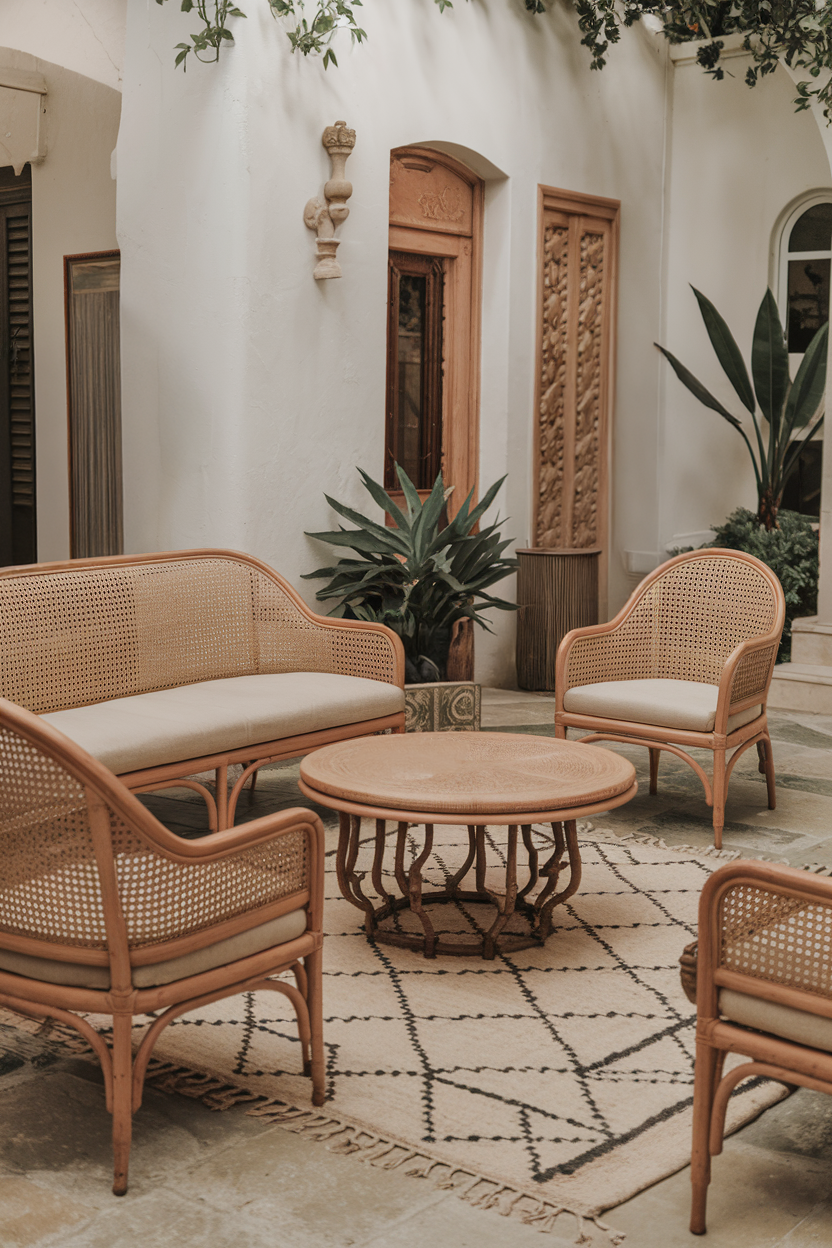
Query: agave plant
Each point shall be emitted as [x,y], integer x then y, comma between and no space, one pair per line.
[785,406]
[419,577]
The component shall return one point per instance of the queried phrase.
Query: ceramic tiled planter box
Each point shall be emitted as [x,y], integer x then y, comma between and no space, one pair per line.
[443,706]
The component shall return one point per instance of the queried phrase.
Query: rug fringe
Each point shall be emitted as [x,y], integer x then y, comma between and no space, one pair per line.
[656,842]
[346,1138]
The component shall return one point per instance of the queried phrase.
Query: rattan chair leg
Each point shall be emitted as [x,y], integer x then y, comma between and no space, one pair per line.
[654,769]
[221,774]
[122,1100]
[314,972]
[700,1162]
[767,768]
[720,787]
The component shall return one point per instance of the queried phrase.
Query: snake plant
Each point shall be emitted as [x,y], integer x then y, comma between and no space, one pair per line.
[785,405]
[420,576]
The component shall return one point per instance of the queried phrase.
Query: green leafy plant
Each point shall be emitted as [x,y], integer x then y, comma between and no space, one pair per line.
[306,36]
[419,577]
[798,32]
[791,551]
[785,406]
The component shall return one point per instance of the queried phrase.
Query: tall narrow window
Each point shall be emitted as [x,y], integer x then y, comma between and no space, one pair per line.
[18,540]
[414,372]
[433,326]
[808,261]
[805,262]
[94,393]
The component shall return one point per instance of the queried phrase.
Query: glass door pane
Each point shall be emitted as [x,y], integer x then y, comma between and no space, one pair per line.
[414,369]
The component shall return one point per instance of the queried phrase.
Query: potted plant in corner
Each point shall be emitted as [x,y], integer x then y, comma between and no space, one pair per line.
[783,539]
[427,579]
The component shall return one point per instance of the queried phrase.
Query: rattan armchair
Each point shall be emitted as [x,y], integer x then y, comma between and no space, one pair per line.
[763,988]
[686,662]
[103,911]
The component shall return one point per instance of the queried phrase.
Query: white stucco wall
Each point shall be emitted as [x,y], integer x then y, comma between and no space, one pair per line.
[250,389]
[73,211]
[86,36]
[738,158]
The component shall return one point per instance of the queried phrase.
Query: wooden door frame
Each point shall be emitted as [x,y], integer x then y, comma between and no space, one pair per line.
[576,203]
[463,312]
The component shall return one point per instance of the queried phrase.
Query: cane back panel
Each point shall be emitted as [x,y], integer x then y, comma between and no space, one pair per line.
[76,637]
[683,627]
[785,940]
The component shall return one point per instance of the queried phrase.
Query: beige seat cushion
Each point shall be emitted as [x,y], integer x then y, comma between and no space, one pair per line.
[683,704]
[215,716]
[778,1020]
[73,974]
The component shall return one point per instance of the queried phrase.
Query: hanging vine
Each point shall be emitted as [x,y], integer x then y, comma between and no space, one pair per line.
[798,32]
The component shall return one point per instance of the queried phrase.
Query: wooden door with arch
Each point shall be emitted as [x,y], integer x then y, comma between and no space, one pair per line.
[433,335]
[575,370]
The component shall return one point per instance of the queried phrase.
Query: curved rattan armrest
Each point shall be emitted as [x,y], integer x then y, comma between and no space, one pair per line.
[217,845]
[596,633]
[354,632]
[761,894]
[745,677]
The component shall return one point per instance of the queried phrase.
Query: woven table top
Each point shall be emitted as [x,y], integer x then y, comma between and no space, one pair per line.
[467,773]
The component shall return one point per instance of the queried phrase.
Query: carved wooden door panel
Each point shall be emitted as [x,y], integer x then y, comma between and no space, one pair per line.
[433,339]
[578,246]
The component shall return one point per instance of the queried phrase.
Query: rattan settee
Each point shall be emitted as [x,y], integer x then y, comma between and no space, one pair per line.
[104,911]
[686,662]
[762,982]
[164,666]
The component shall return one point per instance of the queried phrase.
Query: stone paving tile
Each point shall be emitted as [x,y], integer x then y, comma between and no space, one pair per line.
[755,1199]
[472,1228]
[163,1218]
[815,1231]
[800,1125]
[56,1130]
[321,1198]
[31,1215]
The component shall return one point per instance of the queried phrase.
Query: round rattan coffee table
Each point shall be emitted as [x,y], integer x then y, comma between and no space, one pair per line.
[476,779]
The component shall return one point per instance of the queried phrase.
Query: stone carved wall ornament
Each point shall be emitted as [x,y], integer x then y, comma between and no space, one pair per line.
[324,216]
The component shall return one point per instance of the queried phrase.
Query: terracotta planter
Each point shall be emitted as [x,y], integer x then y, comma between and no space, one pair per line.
[443,706]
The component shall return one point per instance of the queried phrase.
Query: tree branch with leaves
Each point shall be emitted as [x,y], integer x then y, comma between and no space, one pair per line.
[798,32]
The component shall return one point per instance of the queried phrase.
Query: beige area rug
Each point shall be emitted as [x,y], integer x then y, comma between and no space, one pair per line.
[547,1080]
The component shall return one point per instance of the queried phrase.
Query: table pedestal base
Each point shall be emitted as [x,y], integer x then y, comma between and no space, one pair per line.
[537,911]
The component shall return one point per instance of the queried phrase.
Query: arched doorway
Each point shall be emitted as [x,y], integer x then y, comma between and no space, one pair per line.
[433,334]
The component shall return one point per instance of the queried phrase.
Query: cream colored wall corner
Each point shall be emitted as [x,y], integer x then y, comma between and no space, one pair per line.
[737,158]
[73,211]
